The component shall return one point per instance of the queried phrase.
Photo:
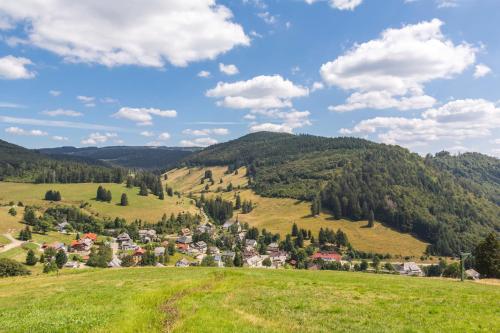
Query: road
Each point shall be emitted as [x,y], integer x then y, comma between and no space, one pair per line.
[13,243]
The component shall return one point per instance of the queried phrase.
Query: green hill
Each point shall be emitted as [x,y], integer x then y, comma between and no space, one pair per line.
[351,177]
[243,300]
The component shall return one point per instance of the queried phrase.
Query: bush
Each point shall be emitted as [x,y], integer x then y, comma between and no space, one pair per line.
[53,195]
[9,267]
[31,258]
[12,211]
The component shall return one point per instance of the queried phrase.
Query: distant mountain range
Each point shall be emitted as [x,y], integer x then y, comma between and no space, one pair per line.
[143,157]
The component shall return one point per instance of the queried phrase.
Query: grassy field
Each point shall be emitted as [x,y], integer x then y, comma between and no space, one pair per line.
[244,300]
[148,208]
[278,215]
[9,223]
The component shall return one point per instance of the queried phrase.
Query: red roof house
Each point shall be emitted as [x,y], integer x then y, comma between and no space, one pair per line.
[91,236]
[332,256]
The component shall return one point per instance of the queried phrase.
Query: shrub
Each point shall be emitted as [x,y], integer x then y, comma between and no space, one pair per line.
[12,211]
[9,267]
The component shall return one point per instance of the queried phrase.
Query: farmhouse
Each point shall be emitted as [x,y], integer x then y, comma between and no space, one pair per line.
[251,243]
[182,263]
[115,263]
[123,237]
[201,246]
[91,236]
[147,236]
[327,256]
[472,274]
[408,268]
[56,246]
[184,240]
[159,251]
[256,261]
[82,245]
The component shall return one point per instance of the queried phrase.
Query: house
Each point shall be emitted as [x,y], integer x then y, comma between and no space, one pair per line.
[326,256]
[256,261]
[115,263]
[273,247]
[182,263]
[252,243]
[123,237]
[219,260]
[472,274]
[206,228]
[249,252]
[229,254]
[184,240]
[201,246]
[228,224]
[159,265]
[61,227]
[278,258]
[241,236]
[159,251]
[408,268]
[185,232]
[182,247]
[147,236]
[91,236]
[128,245]
[82,245]
[55,245]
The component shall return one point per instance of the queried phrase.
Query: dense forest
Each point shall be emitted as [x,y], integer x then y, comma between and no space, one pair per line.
[21,164]
[451,202]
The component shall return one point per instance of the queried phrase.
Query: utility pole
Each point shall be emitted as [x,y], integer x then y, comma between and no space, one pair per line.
[463,256]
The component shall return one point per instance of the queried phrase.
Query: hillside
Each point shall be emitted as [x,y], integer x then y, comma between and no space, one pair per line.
[352,177]
[243,300]
[124,156]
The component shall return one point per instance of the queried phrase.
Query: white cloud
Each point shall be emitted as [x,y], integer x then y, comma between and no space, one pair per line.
[97,138]
[12,68]
[206,131]
[109,100]
[447,3]
[143,116]
[290,120]
[112,34]
[147,134]
[340,4]
[55,93]
[204,74]
[267,17]
[20,131]
[260,92]
[62,112]
[481,70]
[164,136]
[391,71]
[57,123]
[228,69]
[60,138]
[456,120]
[88,101]
[198,142]
[295,70]
[317,86]
[270,127]
[8,105]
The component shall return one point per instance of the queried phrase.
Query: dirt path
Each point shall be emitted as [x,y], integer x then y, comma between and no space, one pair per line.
[13,243]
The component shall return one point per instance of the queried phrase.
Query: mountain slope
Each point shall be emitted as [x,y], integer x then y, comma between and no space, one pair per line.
[353,177]
[124,156]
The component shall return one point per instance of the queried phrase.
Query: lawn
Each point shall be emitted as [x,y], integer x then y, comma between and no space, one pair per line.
[244,300]
[9,223]
[148,208]
[278,215]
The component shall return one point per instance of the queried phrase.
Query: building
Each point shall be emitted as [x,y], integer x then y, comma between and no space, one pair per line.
[327,256]
[159,251]
[184,240]
[251,243]
[63,226]
[82,245]
[472,274]
[123,237]
[201,246]
[115,263]
[408,268]
[91,236]
[182,263]
[147,235]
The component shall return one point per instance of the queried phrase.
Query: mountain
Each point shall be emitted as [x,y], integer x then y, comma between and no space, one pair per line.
[450,202]
[129,157]
[20,164]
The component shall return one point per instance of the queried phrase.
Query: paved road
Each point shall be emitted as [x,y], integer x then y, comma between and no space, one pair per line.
[13,243]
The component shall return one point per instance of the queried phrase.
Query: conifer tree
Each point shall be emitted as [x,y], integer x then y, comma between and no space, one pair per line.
[124,200]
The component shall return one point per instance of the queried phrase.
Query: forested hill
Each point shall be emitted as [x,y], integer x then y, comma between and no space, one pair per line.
[129,157]
[25,165]
[351,177]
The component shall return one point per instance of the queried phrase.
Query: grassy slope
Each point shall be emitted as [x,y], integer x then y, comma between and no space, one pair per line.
[148,208]
[212,300]
[278,215]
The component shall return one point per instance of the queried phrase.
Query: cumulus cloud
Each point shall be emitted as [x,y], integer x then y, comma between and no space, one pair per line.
[340,4]
[204,74]
[111,34]
[143,116]
[228,69]
[147,134]
[62,112]
[55,93]
[97,138]
[456,120]
[481,70]
[289,120]
[206,131]
[164,136]
[198,142]
[60,138]
[13,68]
[317,86]
[390,72]
[260,92]
[20,131]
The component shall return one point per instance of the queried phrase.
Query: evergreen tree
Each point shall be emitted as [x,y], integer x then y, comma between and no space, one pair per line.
[237,205]
[108,196]
[371,219]
[336,208]
[144,190]
[487,255]
[124,200]
[31,258]
[61,259]
[161,196]
[295,230]
[50,266]
[238,259]
[130,182]
[299,241]
[12,211]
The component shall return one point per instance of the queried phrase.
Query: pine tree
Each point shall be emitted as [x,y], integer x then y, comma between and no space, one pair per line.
[237,205]
[371,219]
[61,259]
[108,196]
[299,241]
[487,255]
[161,196]
[295,230]
[144,190]
[336,208]
[31,258]
[130,182]
[124,200]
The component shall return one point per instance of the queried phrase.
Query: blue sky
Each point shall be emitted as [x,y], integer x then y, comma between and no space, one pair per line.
[419,73]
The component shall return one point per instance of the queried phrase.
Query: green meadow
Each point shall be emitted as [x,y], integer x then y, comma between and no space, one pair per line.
[243,300]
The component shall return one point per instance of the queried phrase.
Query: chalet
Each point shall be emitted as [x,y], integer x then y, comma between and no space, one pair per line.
[91,236]
[123,237]
[219,260]
[241,236]
[128,245]
[408,268]
[472,274]
[182,247]
[206,228]
[256,261]
[138,253]
[159,251]
[326,256]
[147,236]
[201,246]
[228,254]
[273,247]
[182,263]
[82,245]
[184,240]
[278,258]
[252,243]
[249,252]
[228,224]
[55,245]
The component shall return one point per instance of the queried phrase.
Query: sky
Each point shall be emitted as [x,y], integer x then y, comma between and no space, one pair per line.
[423,74]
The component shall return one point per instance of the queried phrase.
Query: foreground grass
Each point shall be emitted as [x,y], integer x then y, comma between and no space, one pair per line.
[148,208]
[243,300]
[279,214]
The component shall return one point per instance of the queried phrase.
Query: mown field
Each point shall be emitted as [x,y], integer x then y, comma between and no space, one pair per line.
[148,208]
[278,215]
[243,300]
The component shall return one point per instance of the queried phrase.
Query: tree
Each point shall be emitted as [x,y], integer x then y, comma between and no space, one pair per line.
[295,230]
[238,260]
[31,258]
[316,206]
[267,262]
[53,195]
[124,200]
[61,259]
[161,196]
[128,261]
[9,267]
[25,234]
[299,241]
[208,261]
[12,211]
[487,255]
[108,196]
[376,262]
[364,265]
[336,208]
[50,266]
[237,205]
[30,216]
[371,219]
[170,191]
[144,190]
[130,182]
